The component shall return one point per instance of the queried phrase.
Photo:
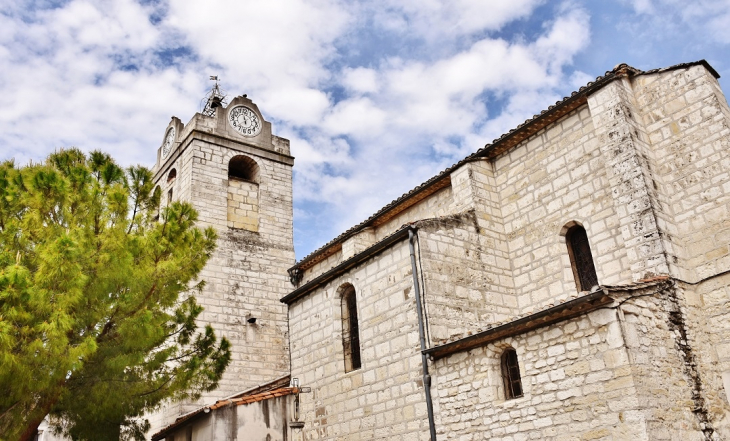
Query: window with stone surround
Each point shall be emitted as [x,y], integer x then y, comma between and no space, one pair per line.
[243,193]
[581,259]
[350,331]
[511,374]
[171,177]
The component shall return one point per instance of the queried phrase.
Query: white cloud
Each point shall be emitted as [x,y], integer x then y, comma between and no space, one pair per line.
[260,45]
[360,80]
[375,96]
[358,117]
[709,18]
[298,106]
[435,19]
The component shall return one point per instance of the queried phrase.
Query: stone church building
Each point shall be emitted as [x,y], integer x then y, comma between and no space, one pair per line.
[568,281]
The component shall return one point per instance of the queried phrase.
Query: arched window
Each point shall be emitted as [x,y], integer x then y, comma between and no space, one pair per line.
[170,183]
[511,374]
[243,193]
[350,332]
[243,167]
[581,258]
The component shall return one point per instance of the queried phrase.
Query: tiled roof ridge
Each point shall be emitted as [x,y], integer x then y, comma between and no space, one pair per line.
[621,70]
[248,399]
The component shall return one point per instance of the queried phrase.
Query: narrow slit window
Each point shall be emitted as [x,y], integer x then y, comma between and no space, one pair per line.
[350,331]
[170,184]
[511,375]
[581,258]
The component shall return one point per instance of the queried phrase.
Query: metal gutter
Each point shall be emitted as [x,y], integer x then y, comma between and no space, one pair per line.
[421,335]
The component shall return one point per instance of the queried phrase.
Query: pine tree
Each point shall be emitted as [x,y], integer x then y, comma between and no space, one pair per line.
[97,306]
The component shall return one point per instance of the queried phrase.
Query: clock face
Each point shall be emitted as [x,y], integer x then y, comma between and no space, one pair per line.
[169,141]
[245,121]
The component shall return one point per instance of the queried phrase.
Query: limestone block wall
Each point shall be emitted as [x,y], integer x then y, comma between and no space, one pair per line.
[687,121]
[707,311]
[622,141]
[243,204]
[461,286]
[358,243]
[247,276]
[475,188]
[669,386]
[384,399]
[580,380]
[555,177]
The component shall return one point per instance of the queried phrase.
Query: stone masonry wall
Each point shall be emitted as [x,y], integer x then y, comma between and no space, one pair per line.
[668,386]
[580,381]
[475,188]
[461,287]
[707,308]
[556,177]
[384,399]
[247,275]
[243,204]
[622,140]
[687,121]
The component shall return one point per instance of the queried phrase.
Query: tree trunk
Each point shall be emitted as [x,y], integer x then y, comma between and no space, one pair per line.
[36,419]
[31,430]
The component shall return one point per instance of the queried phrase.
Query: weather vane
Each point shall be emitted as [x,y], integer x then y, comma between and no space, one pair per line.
[214,99]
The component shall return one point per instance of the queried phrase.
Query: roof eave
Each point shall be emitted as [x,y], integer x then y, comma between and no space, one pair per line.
[347,265]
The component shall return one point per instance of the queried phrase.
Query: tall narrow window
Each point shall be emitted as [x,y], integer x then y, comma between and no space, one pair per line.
[171,184]
[350,332]
[581,258]
[511,374]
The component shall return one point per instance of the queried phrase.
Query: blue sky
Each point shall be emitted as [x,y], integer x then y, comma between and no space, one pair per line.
[376,96]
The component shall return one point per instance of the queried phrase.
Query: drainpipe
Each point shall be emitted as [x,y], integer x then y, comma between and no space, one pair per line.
[421,335]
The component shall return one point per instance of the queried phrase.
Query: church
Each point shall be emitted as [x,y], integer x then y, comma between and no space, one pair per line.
[568,281]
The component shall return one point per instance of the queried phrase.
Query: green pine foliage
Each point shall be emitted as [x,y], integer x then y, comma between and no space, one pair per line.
[97,312]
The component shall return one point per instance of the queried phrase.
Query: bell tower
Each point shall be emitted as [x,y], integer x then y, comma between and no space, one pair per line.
[238,176]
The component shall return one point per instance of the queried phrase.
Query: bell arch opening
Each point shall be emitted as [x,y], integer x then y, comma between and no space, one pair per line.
[243,193]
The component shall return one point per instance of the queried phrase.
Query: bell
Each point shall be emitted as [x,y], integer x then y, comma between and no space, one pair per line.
[215,102]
